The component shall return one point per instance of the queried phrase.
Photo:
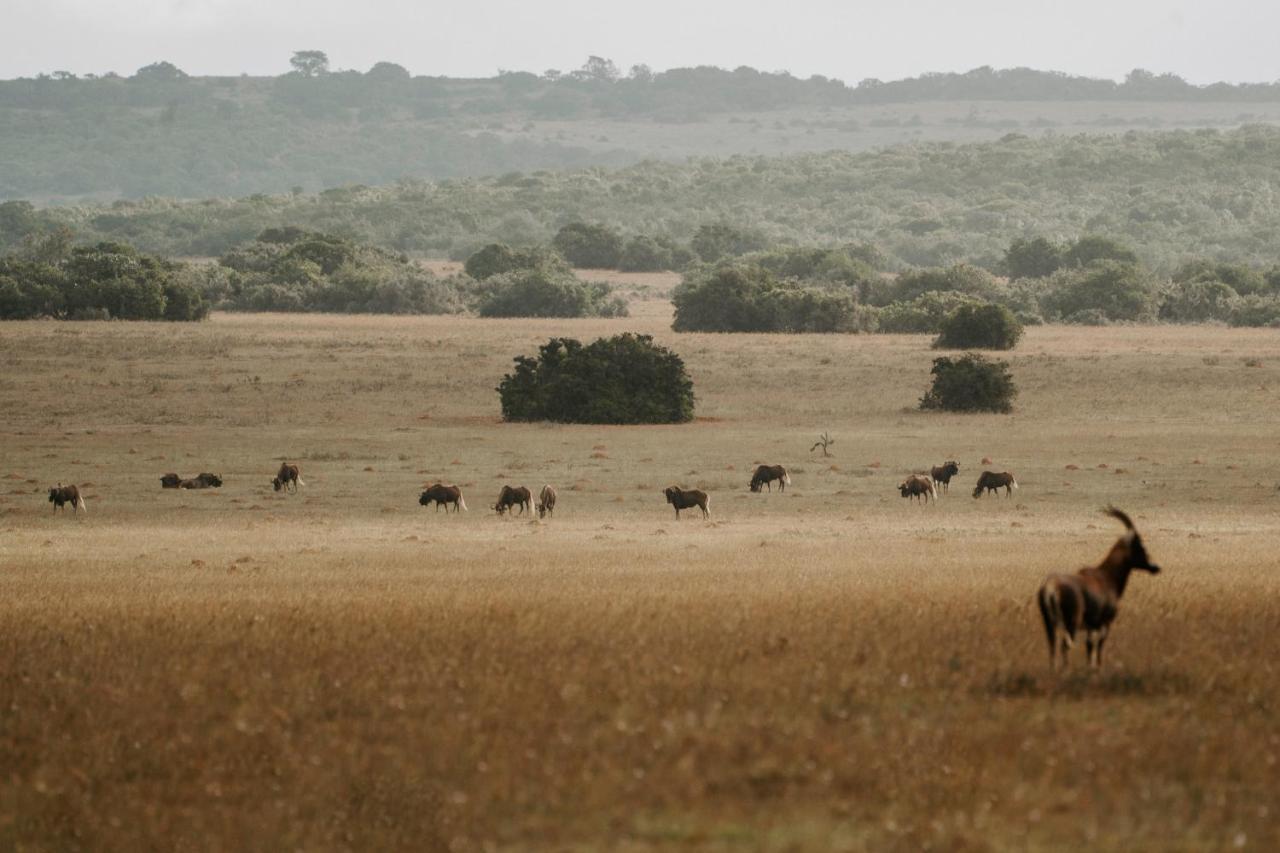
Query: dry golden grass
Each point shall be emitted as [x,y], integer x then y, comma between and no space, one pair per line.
[828,669]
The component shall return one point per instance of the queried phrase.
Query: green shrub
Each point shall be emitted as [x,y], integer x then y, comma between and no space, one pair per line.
[748,298]
[543,292]
[644,254]
[498,258]
[1255,311]
[1110,290]
[1091,247]
[1034,258]
[1240,278]
[980,327]
[626,379]
[1196,301]
[589,246]
[970,383]
[923,315]
[713,242]
[957,278]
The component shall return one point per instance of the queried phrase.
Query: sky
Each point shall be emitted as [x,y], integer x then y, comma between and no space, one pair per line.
[1229,40]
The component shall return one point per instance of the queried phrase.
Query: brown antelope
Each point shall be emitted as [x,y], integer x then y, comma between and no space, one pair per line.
[1089,598]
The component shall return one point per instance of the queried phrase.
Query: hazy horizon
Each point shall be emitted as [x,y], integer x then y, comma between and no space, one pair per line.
[1230,42]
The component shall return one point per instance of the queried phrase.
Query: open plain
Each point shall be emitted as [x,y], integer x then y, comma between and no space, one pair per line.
[833,668]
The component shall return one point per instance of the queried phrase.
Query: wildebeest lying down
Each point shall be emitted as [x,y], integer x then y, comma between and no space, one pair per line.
[60,494]
[512,496]
[919,486]
[200,481]
[288,473]
[443,495]
[1089,599]
[942,475]
[686,498]
[766,474]
[992,482]
[547,502]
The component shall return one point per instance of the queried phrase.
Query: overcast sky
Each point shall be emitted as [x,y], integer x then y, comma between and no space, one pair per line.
[1232,40]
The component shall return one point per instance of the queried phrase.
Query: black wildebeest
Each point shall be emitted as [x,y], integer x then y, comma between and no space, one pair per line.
[686,498]
[547,502]
[514,496]
[942,474]
[766,474]
[170,481]
[288,473]
[1089,598]
[919,486]
[443,495]
[992,482]
[60,494]
[200,481]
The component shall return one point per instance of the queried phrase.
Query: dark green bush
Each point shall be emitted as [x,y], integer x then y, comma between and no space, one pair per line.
[1255,311]
[957,278]
[626,379]
[923,315]
[1091,247]
[748,298]
[713,242]
[1034,258]
[645,254]
[970,383]
[1109,290]
[498,258]
[979,327]
[543,292]
[1196,301]
[589,246]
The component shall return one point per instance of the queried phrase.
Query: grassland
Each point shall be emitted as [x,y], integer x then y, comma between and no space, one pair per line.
[822,670]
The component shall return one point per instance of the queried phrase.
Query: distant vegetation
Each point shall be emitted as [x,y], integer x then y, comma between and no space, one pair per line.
[163,132]
[103,281]
[626,379]
[1171,197]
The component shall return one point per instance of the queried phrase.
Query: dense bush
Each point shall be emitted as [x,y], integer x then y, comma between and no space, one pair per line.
[923,315]
[713,242]
[547,292]
[963,279]
[296,270]
[979,327]
[102,281]
[1105,290]
[749,298]
[1034,258]
[589,246]
[970,383]
[651,254]
[627,379]
[1255,311]
[498,258]
[1196,301]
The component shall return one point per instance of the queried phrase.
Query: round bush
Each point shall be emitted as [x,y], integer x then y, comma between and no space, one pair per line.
[626,379]
[970,383]
[979,327]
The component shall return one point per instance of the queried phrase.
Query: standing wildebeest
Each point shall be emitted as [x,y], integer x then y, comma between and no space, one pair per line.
[686,498]
[919,486]
[1089,598]
[170,481]
[942,474]
[443,495]
[993,482]
[766,474]
[288,473]
[513,496]
[60,494]
[547,502]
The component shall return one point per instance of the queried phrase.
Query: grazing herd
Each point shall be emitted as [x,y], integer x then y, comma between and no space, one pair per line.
[1086,601]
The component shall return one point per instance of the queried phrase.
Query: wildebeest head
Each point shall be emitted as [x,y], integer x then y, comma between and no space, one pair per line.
[277,483]
[671,492]
[211,479]
[55,493]
[951,468]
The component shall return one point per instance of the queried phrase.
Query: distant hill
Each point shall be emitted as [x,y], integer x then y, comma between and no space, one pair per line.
[161,132]
[1171,195]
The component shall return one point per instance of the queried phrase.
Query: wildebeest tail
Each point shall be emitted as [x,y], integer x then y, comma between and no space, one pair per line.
[1051,612]
[462,502]
[83,508]
[707,505]
[786,477]
[1013,481]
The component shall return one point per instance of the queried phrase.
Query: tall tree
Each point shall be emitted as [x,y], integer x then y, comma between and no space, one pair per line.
[310,63]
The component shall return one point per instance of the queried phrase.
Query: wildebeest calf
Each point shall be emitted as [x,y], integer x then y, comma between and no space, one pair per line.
[443,495]
[686,498]
[942,474]
[514,496]
[288,473]
[60,494]
[993,482]
[546,502]
[766,474]
[919,486]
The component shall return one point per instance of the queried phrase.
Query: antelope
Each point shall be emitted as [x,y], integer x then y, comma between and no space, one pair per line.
[1090,597]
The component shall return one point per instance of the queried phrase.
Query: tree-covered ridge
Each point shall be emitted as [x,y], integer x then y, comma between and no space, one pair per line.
[163,132]
[1171,196]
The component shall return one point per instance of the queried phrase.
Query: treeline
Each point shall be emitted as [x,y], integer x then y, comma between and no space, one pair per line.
[1172,196]
[163,132]
[1096,281]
